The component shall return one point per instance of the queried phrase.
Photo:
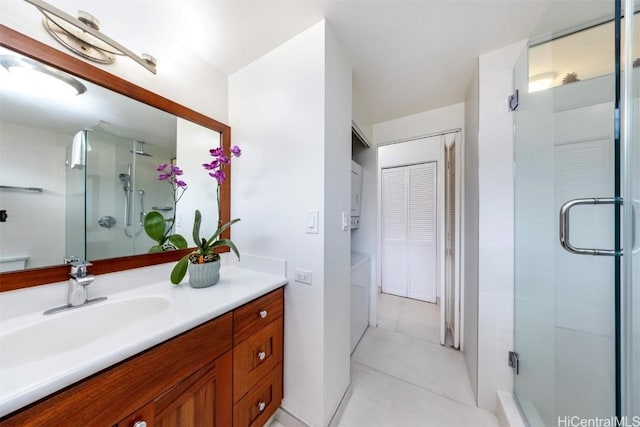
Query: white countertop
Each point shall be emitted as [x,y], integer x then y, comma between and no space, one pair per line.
[35,379]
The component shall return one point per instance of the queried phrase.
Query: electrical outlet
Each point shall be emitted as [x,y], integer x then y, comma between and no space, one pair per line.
[303,276]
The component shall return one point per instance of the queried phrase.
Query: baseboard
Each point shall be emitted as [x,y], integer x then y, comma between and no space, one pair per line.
[287,419]
[507,411]
[337,415]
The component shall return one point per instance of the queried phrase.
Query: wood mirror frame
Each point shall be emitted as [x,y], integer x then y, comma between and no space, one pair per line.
[27,46]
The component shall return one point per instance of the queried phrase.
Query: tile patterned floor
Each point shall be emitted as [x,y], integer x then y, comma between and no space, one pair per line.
[411,317]
[403,377]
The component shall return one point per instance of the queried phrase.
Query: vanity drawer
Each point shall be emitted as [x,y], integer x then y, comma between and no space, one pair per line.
[254,357]
[261,402]
[251,317]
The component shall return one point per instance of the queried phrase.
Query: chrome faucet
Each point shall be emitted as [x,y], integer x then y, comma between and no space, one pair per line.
[78,295]
[79,279]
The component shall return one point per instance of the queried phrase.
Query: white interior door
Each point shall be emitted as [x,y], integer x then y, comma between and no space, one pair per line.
[409,231]
[422,232]
[394,231]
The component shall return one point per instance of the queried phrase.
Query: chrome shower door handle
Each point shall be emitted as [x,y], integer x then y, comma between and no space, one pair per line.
[564,226]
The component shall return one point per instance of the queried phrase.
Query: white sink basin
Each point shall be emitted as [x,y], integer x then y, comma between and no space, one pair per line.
[61,332]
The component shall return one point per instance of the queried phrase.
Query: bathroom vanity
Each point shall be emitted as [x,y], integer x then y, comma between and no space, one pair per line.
[222,371]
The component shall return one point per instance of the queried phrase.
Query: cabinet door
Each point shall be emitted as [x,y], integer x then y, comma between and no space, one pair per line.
[254,357]
[261,402]
[201,400]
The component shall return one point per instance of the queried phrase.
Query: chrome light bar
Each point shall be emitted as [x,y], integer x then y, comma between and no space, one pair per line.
[83,37]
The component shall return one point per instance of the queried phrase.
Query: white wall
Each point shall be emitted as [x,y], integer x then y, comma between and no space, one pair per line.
[495,224]
[182,77]
[469,248]
[360,113]
[201,188]
[420,124]
[27,224]
[281,113]
[337,242]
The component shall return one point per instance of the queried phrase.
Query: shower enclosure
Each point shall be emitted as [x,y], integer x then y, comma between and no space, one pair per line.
[577,184]
[120,178]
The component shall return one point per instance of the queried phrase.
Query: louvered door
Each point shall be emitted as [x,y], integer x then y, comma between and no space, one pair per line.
[394,231]
[409,224]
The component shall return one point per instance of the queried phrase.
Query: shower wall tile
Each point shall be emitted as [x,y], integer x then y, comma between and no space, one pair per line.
[584,385]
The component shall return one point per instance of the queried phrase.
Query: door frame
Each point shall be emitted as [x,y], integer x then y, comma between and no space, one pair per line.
[406,156]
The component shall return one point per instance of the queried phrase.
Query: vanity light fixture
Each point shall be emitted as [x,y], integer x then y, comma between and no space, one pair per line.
[82,36]
[41,78]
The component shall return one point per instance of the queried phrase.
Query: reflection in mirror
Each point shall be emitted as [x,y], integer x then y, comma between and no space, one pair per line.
[95,157]
[122,187]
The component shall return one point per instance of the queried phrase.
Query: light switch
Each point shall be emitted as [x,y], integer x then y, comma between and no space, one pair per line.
[311,222]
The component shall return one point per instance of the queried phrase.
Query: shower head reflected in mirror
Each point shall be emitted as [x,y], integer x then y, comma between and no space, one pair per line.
[125,179]
[140,150]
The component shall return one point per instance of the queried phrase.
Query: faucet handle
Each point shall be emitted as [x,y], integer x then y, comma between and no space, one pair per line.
[71,259]
[79,268]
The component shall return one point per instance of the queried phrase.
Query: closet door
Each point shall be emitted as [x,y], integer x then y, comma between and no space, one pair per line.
[421,232]
[394,231]
[409,224]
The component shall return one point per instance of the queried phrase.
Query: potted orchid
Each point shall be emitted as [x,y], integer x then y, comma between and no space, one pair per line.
[159,228]
[203,264]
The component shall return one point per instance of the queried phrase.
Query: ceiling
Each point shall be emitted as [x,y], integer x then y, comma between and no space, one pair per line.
[407,56]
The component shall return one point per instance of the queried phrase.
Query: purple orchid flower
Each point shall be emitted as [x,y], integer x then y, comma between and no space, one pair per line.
[235,150]
[219,175]
[215,152]
[210,166]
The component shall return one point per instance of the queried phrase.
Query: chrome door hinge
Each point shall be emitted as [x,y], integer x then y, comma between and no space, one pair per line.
[514,361]
[513,101]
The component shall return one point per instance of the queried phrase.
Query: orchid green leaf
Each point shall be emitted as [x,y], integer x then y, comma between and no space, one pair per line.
[196,228]
[226,242]
[221,230]
[154,224]
[155,249]
[180,270]
[178,241]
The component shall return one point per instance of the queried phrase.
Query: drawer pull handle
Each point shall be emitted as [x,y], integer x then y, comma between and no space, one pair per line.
[263,314]
[262,355]
[141,423]
[261,406]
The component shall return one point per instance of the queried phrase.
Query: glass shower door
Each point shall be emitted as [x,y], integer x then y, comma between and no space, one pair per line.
[565,133]
[122,187]
[631,222]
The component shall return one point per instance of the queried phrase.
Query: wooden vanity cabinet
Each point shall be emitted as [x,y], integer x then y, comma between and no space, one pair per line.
[258,330]
[186,381]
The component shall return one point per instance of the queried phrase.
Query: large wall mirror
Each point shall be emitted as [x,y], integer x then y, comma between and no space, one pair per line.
[78,172]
